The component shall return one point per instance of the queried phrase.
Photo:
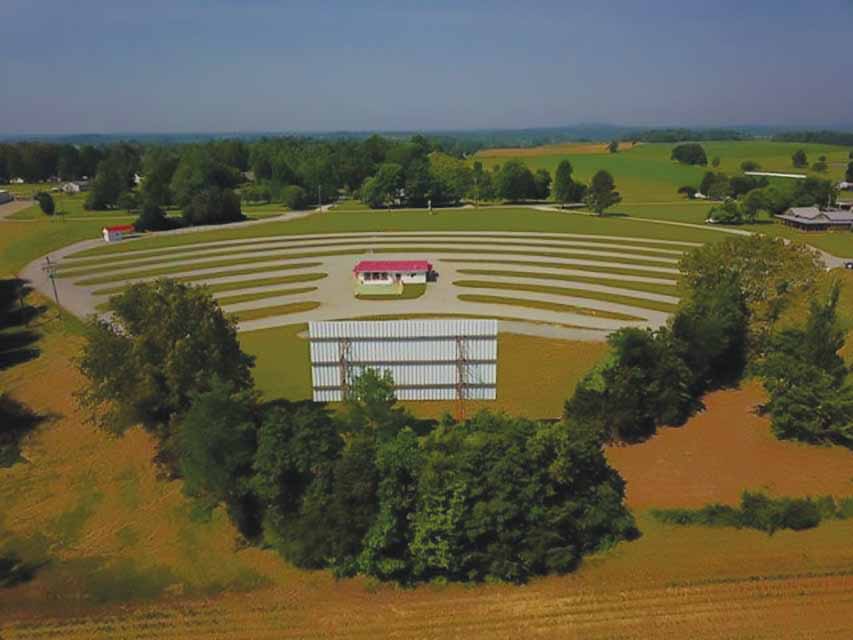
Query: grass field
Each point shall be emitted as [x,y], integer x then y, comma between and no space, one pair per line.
[645,172]
[410,292]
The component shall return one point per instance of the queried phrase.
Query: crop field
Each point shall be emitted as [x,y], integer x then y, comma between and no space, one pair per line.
[120,552]
[645,173]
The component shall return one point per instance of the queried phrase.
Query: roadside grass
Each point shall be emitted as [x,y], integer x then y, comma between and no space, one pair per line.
[246,297]
[665,289]
[568,291]
[410,292]
[546,306]
[278,310]
[22,242]
[484,219]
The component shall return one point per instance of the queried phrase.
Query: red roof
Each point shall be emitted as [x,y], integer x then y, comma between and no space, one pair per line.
[385,266]
[121,227]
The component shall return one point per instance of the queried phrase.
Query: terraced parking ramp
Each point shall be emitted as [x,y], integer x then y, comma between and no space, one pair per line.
[595,284]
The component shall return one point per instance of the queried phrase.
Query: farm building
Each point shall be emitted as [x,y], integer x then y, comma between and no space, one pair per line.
[428,359]
[5,196]
[114,234]
[815,219]
[75,186]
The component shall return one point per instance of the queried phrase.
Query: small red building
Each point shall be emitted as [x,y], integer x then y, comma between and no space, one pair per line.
[384,272]
[116,233]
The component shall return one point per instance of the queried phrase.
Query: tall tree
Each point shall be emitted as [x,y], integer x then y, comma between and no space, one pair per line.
[602,192]
[514,181]
[564,186]
[542,183]
[166,341]
[799,159]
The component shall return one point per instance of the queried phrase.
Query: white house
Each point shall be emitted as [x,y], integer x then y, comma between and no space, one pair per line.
[386,272]
[5,196]
[114,234]
[137,179]
[17,181]
[75,186]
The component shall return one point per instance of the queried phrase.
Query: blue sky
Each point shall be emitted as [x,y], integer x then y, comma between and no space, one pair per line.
[88,66]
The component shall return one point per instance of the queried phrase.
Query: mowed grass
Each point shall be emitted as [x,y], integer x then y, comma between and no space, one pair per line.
[504,219]
[246,297]
[545,306]
[277,310]
[665,289]
[567,291]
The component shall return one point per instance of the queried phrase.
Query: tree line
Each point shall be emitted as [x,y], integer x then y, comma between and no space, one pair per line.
[737,290]
[365,490]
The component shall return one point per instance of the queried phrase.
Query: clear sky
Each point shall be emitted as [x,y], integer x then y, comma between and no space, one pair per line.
[224,66]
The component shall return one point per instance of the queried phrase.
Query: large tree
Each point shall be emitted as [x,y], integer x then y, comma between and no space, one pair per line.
[564,185]
[602,193]
[515,181]
[158,168]
[690,153]
[799,159]
[165,342]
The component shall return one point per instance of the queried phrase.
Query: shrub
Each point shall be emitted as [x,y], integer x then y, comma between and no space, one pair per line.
[294,197]
[46,203]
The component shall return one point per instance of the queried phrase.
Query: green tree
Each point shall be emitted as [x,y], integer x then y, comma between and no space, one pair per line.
[158,167]
[750,165]
[165,343]
[151,218]
[542,183]
[799,159]
[213,206]
[564,185]
[216,445]
[690,153]
[382,189]
[848,175]
[602,193]
[514,181]
[768,271]
[613,147]
[294,197]
[107,186]
[820,166]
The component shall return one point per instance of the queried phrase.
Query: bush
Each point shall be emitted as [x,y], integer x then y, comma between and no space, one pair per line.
[759,511]
[750,165]
[294,197]
[46,203]
[152,218]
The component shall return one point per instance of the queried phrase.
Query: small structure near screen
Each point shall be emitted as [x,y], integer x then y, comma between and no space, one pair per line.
[114,234]
[428,359]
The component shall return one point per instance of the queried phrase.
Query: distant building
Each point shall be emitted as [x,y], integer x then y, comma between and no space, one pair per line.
[815,219]
[5,196]
[114,234]
[137,179]
[75,186]
[17,181]
[845,186]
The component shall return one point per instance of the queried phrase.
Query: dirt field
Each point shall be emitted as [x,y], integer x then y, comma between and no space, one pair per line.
[721,452]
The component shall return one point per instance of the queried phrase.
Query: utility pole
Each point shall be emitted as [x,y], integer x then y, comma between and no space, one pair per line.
[50,268]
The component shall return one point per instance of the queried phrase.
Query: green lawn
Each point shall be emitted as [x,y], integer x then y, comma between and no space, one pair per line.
[498,219]
[410,292]
[273,293]
[567,291]
[279,310]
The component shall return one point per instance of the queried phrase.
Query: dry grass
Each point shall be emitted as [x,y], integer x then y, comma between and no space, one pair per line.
[569,149]
[724,450]
[128,556]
